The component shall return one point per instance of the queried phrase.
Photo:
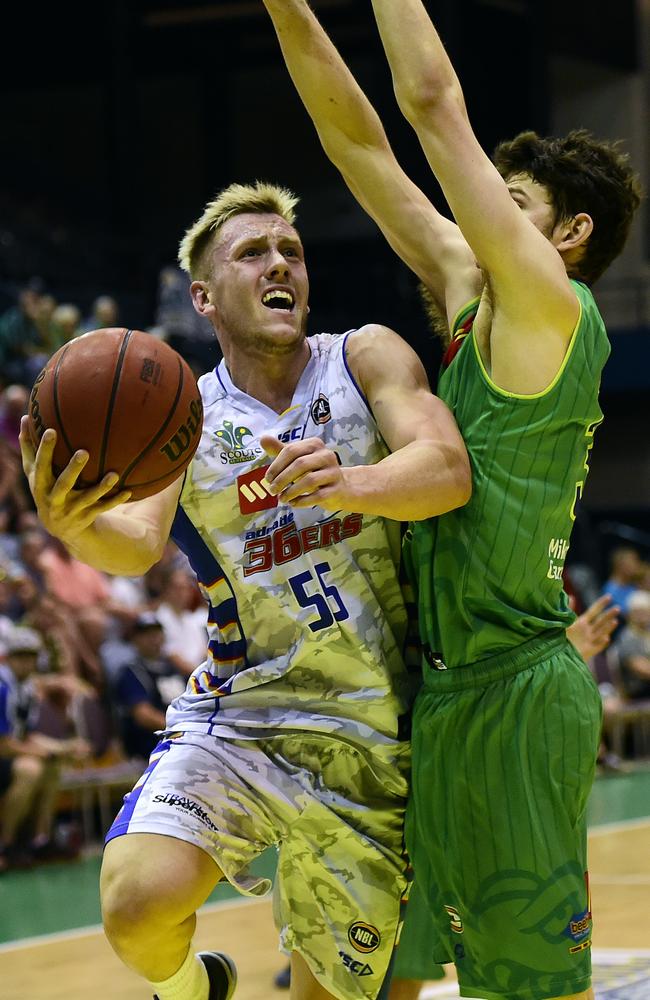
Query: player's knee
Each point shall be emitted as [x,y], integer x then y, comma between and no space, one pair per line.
[134,905]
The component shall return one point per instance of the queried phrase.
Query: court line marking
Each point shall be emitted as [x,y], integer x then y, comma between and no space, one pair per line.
[81,932]
[624,824]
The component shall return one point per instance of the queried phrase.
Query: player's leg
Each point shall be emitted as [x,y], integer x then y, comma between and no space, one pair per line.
[502,769]
[304,985]
[405,989]
[193,817]
[341,869]
[151,887]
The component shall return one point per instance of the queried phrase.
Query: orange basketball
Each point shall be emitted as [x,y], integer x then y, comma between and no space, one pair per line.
[129,400]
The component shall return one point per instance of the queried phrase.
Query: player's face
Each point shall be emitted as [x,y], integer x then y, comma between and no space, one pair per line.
[258,285]
[534,201]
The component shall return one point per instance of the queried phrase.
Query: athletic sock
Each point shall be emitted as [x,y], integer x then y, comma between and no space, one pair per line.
[189,983]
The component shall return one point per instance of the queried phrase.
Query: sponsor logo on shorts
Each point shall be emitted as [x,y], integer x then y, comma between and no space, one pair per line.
[454,919]
[187,805]
[254,493]
[356,968]
[578,928]
[364,937]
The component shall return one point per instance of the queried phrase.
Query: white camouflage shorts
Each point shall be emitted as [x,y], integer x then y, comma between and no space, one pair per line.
[335,812]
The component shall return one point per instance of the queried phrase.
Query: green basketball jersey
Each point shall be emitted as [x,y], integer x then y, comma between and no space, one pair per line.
[490,574]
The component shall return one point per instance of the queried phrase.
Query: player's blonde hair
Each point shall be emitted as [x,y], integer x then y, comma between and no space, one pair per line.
[237,199]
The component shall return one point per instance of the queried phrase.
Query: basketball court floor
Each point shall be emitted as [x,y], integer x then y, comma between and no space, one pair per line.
[51,947]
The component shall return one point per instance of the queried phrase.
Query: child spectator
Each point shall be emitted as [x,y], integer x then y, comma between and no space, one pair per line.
[626,568]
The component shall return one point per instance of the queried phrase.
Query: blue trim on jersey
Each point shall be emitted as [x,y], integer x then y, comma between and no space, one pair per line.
[120,824]
[209,572]
[222,614]
[222,651]
[352,378]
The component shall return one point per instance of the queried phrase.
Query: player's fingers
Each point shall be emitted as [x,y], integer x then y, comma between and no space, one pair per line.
[27,449]
[92,495]
[306,485]
[67,480]
[322,460]
[598,605]
[43,476]
[88,515]
[271,445]
[292,453]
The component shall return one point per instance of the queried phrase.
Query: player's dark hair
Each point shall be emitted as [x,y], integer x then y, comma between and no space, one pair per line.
[581,174]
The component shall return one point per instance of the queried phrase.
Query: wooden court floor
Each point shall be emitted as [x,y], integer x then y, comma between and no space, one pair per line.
[80,965]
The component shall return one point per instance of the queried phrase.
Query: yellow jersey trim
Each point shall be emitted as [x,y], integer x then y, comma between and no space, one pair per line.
[551,386]
[462,312]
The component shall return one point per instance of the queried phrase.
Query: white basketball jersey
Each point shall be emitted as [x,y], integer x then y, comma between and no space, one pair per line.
[306,617]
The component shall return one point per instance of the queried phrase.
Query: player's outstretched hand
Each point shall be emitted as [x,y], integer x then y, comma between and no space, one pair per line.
[305,473]
[592,631]
[64,511]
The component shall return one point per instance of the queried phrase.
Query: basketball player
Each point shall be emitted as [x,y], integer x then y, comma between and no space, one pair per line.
[293,731]
[507,725]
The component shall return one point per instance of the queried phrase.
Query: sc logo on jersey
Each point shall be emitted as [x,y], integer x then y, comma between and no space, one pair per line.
[356,967]
[364,937]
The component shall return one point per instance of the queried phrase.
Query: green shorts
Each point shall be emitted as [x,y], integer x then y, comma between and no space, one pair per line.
[413,956]
[504,754]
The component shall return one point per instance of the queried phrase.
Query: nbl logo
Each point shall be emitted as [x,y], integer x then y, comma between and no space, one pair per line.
[364,937]
[253,492]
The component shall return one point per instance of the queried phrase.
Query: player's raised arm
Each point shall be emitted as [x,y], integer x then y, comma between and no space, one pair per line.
[355,141]
[105,532]
[428,471]
[522,262]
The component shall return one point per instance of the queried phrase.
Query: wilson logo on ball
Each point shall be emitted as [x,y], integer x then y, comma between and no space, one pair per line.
[184,435]
[364,937]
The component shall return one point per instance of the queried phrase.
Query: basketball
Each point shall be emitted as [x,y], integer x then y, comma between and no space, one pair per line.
[129,400]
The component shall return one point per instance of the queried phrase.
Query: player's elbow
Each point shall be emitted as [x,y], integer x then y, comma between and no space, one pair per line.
[424,102]
[460,480]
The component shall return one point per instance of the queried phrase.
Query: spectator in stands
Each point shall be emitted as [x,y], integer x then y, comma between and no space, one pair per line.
[72,582]
[146,685]
[13,499]
[633,647]
[103,314]
[20,338]
[184,624]
[13,404]
[32,544]
[66,324]
[626,568]
[30,762]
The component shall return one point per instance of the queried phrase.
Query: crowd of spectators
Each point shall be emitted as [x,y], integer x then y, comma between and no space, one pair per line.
[88,662]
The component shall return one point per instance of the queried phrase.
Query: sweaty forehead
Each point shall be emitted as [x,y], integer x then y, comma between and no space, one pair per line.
[254,226]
